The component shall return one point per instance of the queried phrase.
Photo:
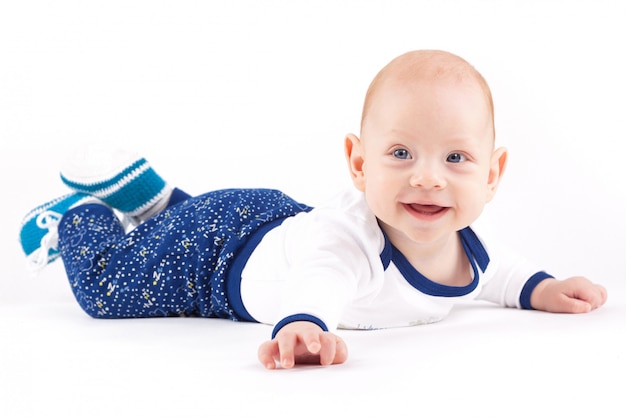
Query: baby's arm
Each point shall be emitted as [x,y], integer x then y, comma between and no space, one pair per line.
[573,295]
[302,342]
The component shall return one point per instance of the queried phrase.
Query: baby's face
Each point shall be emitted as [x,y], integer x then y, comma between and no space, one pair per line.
[428,164]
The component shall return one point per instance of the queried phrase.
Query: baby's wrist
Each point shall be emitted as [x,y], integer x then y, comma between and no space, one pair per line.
[525,298]
[537,297]
[298,317]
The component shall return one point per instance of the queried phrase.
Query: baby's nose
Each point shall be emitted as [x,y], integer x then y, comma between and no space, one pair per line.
[427,176]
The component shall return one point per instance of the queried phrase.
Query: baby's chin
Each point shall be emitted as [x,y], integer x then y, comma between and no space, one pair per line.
[418,237]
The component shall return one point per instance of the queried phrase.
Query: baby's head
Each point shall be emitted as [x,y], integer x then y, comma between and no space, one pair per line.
[426,66]
[425,159]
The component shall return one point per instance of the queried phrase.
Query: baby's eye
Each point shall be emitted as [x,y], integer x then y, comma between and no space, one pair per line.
[401,154]
[456,157]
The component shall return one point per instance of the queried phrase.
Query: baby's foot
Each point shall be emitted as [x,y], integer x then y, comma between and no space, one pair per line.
[38,233]
[121,179]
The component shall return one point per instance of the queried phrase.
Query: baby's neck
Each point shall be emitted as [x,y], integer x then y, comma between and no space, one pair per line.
[444,262]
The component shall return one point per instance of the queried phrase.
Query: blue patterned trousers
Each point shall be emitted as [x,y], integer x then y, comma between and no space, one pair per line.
[186,261]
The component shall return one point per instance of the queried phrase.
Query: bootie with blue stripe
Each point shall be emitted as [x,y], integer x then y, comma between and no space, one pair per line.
[121,179]
[38,231]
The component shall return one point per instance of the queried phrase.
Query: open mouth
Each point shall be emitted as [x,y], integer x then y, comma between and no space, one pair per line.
[427,210]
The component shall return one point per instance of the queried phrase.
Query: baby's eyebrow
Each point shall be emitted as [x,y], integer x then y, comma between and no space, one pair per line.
[461,140]
[401,134]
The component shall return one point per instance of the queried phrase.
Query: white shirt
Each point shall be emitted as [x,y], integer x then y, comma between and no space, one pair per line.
[335,263]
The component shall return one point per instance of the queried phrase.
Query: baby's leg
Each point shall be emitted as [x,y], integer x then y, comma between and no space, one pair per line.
[109,272]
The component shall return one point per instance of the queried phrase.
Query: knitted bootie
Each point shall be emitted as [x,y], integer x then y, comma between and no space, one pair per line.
[38,232]
[121,179]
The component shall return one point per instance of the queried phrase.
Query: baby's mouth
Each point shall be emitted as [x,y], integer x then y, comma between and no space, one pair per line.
[427,209]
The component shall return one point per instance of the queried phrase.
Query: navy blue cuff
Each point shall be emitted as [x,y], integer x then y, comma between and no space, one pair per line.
[529,287]
[298,317]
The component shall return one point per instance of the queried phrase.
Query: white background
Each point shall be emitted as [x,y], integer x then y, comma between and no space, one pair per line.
[261,93]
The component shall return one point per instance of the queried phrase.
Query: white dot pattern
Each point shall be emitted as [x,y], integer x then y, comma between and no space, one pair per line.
[174,264]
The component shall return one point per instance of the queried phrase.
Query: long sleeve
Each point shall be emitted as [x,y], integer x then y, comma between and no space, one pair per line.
[325,268]
[510,279]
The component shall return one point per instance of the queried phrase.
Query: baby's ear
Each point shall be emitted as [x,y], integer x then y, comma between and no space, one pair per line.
[496,169]
[354,157]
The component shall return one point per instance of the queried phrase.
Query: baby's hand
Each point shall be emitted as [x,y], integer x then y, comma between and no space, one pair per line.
[302,342]
[573,295]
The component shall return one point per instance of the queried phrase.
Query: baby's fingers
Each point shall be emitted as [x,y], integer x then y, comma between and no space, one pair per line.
[568,304]
[280,349]
[286,349]
[333,349]
[593,295]
[268,354]
[597,296]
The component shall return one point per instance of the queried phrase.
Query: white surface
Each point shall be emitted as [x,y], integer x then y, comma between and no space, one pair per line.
[246,93]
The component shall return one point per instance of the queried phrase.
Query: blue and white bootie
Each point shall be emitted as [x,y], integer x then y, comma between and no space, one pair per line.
[38,232]
[121,179]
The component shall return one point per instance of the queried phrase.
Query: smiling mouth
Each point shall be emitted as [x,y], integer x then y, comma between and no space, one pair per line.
[427,210]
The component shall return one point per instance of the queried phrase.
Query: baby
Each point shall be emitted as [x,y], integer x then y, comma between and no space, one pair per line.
[397,250]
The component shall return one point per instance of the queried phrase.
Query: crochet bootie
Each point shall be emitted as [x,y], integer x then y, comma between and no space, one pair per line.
[38,232]
[121,179]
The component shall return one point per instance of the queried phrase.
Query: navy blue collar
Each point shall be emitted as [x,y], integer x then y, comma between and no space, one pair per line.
[476,254]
